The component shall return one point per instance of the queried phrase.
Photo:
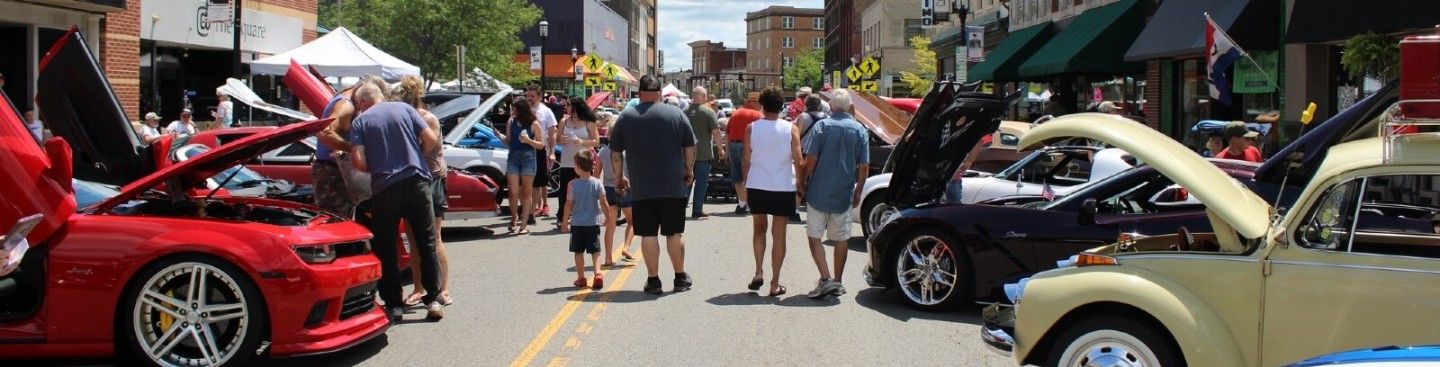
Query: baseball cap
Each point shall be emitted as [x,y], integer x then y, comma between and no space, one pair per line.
[649,84]
[152,116]
[752,97]
[1237,129]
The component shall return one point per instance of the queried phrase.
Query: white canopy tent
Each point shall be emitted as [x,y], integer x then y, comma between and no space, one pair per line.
[338,54]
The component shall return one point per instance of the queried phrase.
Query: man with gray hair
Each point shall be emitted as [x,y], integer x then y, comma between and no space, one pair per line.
[837,156]
[389,140]
[706,126]
[337,187]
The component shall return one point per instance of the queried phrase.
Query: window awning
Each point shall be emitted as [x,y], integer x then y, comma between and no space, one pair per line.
[1178,28]
[1325,21]
[1003,62]
[1094,43]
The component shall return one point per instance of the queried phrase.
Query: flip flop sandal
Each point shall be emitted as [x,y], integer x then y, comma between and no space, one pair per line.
[755,284]
[446,300]
[778,291]
[414,299]
[627,258]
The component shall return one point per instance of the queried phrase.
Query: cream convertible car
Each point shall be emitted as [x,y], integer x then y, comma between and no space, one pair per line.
[1355,263]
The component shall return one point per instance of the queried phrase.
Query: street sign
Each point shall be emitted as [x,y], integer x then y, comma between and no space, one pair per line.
[868,86]
[593,81]
[869,67]
[927,13]
[854,74]
[835,77]
[593,62]
[610,86]
[610,71]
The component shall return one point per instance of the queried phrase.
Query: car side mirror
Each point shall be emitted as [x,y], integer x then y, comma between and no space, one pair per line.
[60,156]
[1087,212]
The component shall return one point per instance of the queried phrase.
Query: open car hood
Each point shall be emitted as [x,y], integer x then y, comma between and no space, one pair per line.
[945,128]
[877,115]
[242,93]
[1354,123]
[194,171]
[1224,196]
[463,128]
[79,105]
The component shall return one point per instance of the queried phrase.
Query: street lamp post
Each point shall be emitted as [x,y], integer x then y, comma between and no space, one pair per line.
[544,33]
[574,56]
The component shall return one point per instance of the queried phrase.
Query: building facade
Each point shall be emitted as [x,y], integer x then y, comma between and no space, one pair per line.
[842,36]
[715,66]
[640,16]
[887,27]
[592,29]
[774,36]
[28,28]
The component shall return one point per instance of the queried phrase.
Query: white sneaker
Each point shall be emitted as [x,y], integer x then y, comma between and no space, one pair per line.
[838,289]
[434,311]
[822,287]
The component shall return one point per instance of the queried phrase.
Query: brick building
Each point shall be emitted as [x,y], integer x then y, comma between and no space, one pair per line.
[159,55]
[716,66]
[842,35]
[775,35]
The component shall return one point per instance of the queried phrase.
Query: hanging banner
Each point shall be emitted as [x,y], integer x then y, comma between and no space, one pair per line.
[535,58]
[961,67]
[975,41]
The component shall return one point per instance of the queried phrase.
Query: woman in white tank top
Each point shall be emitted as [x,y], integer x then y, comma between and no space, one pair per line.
[772,159]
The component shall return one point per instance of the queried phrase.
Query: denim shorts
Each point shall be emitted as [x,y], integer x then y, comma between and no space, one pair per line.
[737,168]
[520,162]
[613,197]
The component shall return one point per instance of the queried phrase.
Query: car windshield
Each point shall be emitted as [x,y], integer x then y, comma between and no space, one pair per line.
[90,193]
[725,104]
[1056,167]
[244,177]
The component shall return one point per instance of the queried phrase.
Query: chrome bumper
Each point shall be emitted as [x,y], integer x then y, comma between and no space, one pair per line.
[998,322]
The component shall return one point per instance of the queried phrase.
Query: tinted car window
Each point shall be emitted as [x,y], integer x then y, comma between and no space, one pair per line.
[296,149]
[89,193]
[1057,168]
[1399,215]
[1009,140]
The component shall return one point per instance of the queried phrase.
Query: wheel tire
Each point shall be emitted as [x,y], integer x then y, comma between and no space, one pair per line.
[872,201]
[919,274]
[1100,339]
[235,338]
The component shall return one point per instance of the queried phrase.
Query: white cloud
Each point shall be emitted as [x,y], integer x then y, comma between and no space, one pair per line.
[685,21]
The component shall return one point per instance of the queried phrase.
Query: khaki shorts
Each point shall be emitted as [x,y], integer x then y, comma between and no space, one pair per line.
[832,226]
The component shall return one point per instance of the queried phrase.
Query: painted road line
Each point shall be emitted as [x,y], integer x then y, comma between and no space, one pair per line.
[546,334]
[573,343]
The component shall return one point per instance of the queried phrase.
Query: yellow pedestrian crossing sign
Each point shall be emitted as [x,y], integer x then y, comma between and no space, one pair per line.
[853,73]
[593,62]
[868,86]
[610,71]
[869,67]
[610,86]
[593,81]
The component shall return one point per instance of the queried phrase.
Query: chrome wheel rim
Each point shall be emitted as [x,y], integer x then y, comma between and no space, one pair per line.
[878,214]
[926,270]
[190,314]
[1108,348]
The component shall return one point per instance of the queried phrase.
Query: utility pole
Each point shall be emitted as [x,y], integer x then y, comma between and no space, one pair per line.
[235,31]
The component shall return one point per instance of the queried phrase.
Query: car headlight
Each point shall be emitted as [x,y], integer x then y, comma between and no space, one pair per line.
[316,254]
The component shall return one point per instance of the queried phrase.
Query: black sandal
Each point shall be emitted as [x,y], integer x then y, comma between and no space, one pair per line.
[756,283]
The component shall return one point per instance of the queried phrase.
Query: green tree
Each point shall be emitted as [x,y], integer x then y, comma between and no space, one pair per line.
[425,32]
[922,76]
[806,71]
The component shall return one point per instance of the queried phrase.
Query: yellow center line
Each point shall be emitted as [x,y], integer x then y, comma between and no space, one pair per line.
[546,334]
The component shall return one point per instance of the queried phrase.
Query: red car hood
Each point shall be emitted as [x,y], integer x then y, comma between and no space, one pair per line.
[194,171]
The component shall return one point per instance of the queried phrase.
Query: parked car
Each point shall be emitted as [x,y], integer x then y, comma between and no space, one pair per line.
[727,107]
[152,271]
[1375,357]
[470,196]
[1066,169]
[1002,150]
[1359,236]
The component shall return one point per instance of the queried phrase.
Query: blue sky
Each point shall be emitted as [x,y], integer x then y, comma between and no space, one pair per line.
[685,21]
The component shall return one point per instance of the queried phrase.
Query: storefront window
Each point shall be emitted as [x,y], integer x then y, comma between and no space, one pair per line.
[1194,93]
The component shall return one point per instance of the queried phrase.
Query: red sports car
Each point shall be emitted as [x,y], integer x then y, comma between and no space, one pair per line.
[157,273]
[469,196]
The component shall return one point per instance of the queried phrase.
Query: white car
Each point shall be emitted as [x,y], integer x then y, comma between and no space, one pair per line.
[1066,169]
[726,107]
[485,160]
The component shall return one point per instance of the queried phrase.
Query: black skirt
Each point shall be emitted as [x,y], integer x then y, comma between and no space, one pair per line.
[771,202]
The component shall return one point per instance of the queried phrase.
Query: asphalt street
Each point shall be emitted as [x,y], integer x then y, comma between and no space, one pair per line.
[515,305]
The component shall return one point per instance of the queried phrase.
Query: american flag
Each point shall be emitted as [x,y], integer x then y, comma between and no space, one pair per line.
[1047,193]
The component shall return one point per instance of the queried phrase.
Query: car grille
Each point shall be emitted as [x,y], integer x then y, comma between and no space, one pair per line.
[351,249]
[358,300]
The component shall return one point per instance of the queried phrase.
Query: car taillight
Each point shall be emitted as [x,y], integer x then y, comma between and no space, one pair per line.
[1182,194]
[316,254]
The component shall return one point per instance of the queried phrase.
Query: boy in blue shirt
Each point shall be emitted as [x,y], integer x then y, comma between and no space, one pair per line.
[584,213]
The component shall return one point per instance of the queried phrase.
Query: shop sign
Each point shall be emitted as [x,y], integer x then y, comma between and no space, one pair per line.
[186,22]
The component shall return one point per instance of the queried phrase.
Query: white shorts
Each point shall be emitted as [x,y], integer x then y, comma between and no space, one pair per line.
[833,226]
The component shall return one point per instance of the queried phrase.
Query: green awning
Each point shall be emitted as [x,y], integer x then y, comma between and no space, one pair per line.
[1003,62]
[1094,43]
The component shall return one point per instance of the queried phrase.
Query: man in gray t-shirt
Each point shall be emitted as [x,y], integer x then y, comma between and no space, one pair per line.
[659,149]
